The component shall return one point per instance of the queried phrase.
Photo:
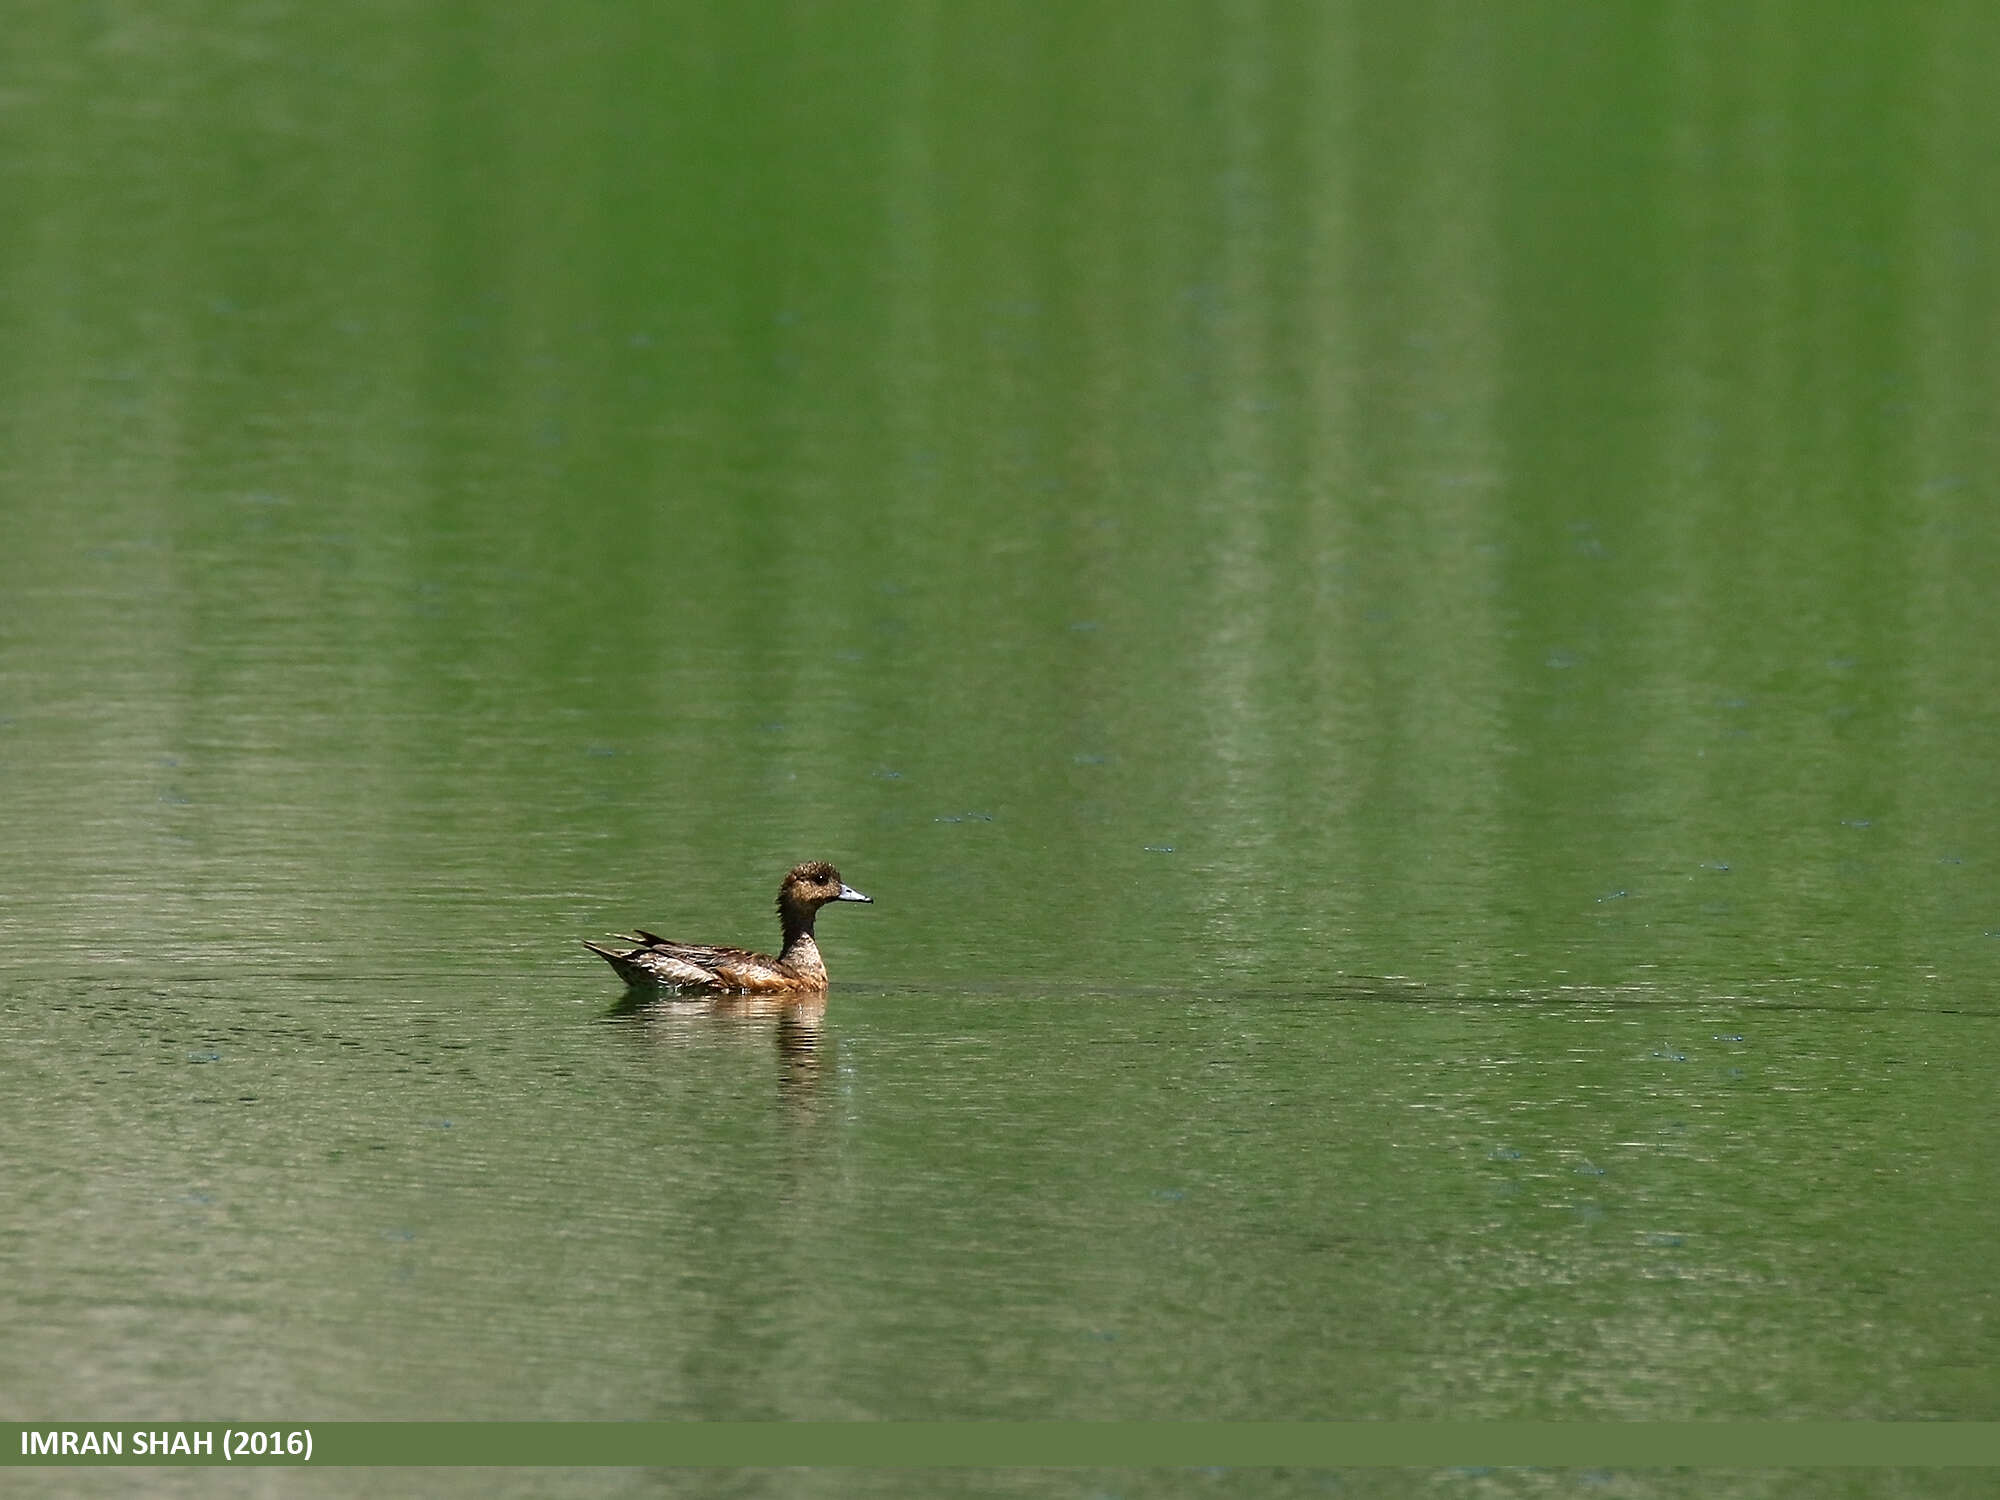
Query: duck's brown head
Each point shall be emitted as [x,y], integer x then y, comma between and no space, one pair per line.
[812,885]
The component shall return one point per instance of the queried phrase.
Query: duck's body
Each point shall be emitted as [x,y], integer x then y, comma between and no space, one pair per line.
[661,963]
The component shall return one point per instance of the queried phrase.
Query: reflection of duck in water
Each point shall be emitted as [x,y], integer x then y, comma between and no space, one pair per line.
[802,1047]
[796,1023]
[658,962]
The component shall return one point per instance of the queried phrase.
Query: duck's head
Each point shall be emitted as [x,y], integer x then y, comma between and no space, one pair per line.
[812,885]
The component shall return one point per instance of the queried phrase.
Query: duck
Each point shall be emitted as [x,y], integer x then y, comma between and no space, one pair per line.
[654,962]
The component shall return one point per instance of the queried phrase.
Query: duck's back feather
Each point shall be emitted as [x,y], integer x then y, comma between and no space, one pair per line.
[660,961]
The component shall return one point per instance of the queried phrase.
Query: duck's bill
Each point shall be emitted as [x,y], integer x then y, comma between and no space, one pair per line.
[849,893]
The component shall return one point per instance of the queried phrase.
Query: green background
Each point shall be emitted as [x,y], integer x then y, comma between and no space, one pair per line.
[1397,605]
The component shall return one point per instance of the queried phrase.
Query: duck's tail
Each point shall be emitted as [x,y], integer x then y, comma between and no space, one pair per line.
[628,971]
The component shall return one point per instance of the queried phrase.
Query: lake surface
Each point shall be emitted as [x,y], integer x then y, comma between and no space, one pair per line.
[1399,607]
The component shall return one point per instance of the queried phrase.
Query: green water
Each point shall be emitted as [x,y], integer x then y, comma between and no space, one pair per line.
[1397,606]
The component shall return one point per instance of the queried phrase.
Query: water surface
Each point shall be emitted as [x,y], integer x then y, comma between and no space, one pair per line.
[1395,604]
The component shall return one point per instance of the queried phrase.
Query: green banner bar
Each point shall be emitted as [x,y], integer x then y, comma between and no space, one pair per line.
[1636,1445]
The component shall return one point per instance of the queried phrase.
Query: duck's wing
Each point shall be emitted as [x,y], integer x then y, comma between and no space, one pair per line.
[658,960]
[722,968]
